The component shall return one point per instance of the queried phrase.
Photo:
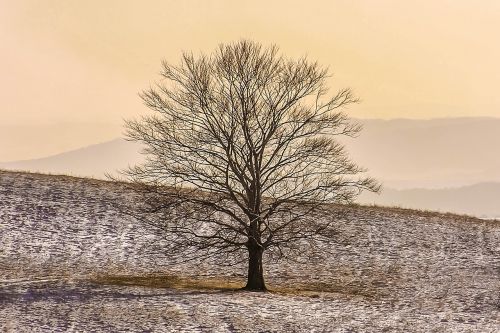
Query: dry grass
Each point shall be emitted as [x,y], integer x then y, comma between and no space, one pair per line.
[445,217]
[169,281]
[312,289]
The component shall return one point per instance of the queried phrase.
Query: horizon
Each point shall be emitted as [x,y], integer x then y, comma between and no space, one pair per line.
[116,127]
[401,153]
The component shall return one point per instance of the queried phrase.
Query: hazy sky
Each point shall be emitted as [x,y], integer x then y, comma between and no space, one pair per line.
[75,61]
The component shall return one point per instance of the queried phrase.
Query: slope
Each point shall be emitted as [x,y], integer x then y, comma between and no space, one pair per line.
[391,270]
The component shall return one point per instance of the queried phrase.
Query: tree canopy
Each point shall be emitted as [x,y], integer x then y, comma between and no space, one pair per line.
[242,153]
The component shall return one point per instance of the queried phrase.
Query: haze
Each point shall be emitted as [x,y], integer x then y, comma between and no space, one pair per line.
[68,63]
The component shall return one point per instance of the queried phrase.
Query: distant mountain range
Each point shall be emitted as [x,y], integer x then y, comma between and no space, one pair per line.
[20,141]
[481,200]
[435,153]
[457,158]
[92,161]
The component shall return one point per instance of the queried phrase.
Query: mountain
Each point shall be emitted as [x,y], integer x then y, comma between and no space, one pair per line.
[22,141]
[434,153]
[92,161]
[401,153]
[480,200]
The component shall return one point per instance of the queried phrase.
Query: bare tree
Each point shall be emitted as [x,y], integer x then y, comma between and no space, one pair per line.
[242,154]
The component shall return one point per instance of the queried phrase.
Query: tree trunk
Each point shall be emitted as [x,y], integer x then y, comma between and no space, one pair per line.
[255,279]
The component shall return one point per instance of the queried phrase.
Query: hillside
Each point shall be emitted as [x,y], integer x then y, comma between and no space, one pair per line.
[392,270]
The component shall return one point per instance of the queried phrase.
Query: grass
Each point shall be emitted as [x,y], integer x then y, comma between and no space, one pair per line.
[169,281]
[445,216]
[310,289]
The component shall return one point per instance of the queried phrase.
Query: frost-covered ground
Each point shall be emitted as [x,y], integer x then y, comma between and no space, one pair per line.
[393,270]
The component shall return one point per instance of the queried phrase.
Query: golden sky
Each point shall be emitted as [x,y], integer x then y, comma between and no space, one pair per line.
[86,60]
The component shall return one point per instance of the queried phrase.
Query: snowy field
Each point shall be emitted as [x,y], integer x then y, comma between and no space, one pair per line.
[393,270]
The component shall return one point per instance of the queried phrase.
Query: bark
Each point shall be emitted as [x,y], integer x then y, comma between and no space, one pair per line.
[255,279]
